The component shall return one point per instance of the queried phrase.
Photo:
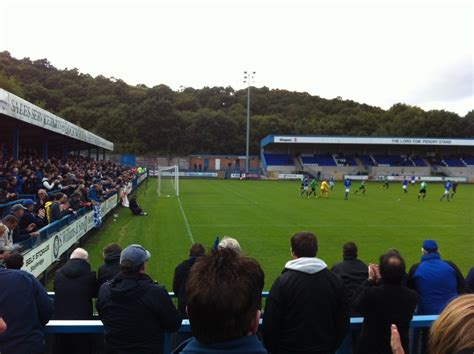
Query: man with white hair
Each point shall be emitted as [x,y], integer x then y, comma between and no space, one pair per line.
[75,286]
[232,243]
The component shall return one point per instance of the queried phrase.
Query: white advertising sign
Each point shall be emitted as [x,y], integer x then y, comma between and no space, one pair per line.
[25,111]
[290,176]
[371,141]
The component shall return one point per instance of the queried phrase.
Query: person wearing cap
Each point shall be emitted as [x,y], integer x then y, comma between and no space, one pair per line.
[135,310]
[22,234]
[437,281]
[30,217]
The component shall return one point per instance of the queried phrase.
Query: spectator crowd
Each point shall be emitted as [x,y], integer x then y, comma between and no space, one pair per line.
[308,308]
[35,193]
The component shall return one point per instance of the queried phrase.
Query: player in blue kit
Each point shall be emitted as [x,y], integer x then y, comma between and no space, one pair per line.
[347,186]
[447,190]
[331,183]
[304,186]
[405,185]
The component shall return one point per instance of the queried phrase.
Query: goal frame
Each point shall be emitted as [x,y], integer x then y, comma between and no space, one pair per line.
[174,179]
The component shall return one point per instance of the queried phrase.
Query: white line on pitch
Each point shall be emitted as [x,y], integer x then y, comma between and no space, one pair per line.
[190,234]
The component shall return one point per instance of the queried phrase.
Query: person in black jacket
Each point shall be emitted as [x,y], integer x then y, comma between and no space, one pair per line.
[75,286]
[134,309]
[307,309]
[181,274]
[352,271]
[111,266]
[384,305]
[135,208]
[22,234]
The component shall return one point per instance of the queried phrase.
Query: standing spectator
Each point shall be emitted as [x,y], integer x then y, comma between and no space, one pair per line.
[135,310]
[8,225]
[437,281]
[26,308]
[232,243]
[74,286]
[453,331]
[30,217]
[75,202]
[50,185]
[352,271]
[307,308]
[384,305]
[224,294]
[111,266]
[42,200]
[59,207]
[22,234]
[14,261]
[181,274]
[470,281]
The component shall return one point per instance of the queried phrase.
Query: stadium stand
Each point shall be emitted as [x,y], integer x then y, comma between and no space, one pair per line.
[319,160]
[279,160]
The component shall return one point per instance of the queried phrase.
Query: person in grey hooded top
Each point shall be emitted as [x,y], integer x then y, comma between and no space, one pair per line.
[307,310]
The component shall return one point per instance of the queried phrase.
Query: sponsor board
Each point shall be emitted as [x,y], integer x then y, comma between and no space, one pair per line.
[357,177]
[290,176]
[422,178]
[39,258]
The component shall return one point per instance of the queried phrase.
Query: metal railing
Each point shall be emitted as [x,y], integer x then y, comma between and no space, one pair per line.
[96,327]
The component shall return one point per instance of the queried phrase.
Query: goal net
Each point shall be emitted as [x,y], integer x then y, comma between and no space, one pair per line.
[168,181]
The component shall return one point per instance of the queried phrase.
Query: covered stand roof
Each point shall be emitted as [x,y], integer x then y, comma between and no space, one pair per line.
[37,123]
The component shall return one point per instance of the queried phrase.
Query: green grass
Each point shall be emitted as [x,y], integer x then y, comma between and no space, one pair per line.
[263,215]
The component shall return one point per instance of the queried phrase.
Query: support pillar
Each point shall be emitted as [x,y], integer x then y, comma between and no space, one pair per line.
[45,148]
[89,152]
[103,154]
[16,142]
[97,154]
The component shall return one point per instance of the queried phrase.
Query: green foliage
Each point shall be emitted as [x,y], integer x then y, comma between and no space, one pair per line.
[208,120]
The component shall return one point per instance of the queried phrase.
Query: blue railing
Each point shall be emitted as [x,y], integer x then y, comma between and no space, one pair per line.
[96,327]
[47,231]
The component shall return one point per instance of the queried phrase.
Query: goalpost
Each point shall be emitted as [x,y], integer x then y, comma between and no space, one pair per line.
[168,181]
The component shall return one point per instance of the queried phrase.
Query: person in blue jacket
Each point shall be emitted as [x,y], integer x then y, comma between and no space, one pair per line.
[26,308]
[437,281]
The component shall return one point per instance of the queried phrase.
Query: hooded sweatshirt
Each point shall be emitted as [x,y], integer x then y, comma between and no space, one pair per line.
[135,312]
[307,309]
[109,269]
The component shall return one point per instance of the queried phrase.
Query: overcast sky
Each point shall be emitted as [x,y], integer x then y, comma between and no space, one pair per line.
[376,52]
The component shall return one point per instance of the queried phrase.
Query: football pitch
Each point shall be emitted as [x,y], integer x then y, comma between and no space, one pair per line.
[263,215]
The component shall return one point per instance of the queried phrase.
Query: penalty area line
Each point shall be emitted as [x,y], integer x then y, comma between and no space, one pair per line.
[190,234]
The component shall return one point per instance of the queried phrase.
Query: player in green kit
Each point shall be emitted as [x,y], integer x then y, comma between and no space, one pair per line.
[361,187]
[422,191]
[313,185]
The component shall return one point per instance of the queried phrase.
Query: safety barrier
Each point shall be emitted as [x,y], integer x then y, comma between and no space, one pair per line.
[57,237]
[96,327]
